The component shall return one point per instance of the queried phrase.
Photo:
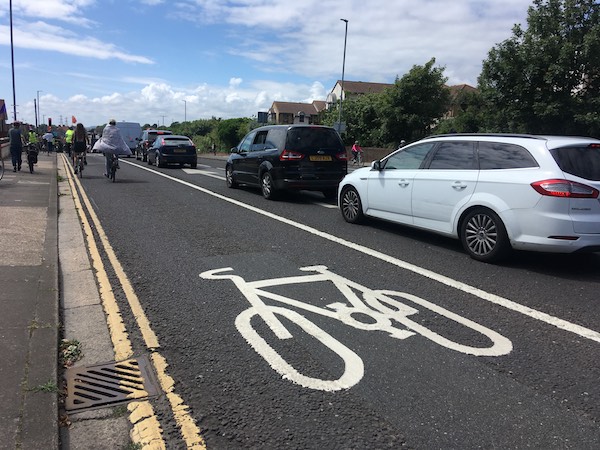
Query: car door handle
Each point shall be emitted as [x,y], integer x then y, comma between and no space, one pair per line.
[459,185]
[403,183]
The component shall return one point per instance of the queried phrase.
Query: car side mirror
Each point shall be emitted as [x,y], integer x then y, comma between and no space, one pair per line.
[234,150]
[376,165]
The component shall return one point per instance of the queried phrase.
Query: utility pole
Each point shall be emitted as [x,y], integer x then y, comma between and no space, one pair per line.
[12,57]
[343,69]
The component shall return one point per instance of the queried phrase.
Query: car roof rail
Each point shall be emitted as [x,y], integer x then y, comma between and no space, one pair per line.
[505,135]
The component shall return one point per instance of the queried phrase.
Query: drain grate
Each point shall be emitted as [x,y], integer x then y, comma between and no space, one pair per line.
[109,384]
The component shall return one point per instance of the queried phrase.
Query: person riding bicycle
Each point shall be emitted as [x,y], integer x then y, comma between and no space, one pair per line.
[32,137]
[356,152]
[80,143]
[111,143]
[69,140]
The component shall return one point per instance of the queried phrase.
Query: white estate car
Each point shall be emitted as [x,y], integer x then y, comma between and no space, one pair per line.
[494,192]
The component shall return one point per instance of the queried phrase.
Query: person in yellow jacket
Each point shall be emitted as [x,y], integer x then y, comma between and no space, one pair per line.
[32,138]
[69,139]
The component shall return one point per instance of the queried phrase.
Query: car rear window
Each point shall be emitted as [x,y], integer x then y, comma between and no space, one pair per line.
[498,155]
[312,139]
[176,141]
[153,134]
[582,161]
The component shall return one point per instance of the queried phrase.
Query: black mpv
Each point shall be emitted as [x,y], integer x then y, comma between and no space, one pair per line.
[289,157]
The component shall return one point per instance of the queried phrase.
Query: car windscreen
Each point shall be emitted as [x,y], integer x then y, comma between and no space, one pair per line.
[313,139]
[581,161]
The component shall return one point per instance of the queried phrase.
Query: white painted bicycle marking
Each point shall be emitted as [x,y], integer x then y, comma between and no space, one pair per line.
[385,313]
[557,322]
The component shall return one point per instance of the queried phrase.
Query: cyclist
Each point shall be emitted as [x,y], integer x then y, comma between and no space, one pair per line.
[111,143]
[69,140]
[33,138]
[356,153]
[80,143]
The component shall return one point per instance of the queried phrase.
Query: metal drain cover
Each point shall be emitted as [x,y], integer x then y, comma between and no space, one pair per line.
[109,384]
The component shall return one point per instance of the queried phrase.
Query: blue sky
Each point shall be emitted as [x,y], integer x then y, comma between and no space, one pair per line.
[157,61]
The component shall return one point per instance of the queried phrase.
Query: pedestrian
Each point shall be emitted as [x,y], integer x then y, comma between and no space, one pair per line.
[17,141]
[33,139]
[49,138]
[80,142]
[111,143]
[214,149]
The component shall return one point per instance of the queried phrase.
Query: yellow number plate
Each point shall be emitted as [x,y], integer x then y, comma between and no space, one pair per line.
[320,158]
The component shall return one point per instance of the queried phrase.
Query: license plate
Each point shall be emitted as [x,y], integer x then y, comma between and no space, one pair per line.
[179,150]
[320,158]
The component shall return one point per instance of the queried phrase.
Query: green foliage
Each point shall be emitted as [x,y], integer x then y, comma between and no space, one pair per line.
[414,103]
[546,79]
[404,111]
[229,132]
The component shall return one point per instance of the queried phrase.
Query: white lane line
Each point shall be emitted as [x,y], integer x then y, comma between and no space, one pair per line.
[209,173]
[492,298]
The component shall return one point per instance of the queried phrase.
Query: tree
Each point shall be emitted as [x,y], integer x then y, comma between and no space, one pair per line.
[414,103]
[546,79]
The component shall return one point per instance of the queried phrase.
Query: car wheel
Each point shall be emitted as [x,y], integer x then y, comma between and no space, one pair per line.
[159,161]
[484,236]
[194,165]
[351,206]
[148,160]
[231,183]
[267,186]
[144,157]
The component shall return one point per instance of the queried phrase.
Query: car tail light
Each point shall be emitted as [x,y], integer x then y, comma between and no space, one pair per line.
[564,188]
[342,156]
[288,155]
[594,146]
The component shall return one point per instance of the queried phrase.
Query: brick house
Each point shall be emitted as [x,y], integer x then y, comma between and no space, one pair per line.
[290,112]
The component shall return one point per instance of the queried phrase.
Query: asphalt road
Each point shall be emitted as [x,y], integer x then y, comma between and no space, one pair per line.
[387,336]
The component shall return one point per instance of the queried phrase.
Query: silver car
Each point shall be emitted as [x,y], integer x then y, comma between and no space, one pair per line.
[494,192]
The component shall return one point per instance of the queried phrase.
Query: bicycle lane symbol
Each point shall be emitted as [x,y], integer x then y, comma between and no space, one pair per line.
[384,309]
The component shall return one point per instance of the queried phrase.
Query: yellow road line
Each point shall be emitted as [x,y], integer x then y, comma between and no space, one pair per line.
[187,425]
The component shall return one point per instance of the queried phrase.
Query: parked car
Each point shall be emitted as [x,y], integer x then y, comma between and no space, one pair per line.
[173,149]
[493,192]
[146,141]
[288,157]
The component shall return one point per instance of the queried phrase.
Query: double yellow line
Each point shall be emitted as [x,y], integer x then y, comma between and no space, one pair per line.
[146,427]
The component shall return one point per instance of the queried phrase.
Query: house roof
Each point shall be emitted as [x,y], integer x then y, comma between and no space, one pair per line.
[294,108]
[363,87]
[460,88]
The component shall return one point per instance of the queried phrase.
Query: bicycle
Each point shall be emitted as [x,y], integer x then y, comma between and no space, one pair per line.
[357,158]
[114,165]
[78,164]
[32,155]
[379,310]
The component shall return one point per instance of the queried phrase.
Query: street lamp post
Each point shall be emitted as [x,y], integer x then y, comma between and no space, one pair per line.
[12,58]
[343,69]
[184,110]
[37,116]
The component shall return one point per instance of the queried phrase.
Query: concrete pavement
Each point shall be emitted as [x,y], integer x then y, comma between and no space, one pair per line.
[48,292]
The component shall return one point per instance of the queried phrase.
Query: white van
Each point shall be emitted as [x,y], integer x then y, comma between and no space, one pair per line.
[131,132]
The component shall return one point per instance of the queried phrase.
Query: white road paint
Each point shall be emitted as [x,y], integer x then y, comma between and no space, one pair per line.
[483,295]
[382,310]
